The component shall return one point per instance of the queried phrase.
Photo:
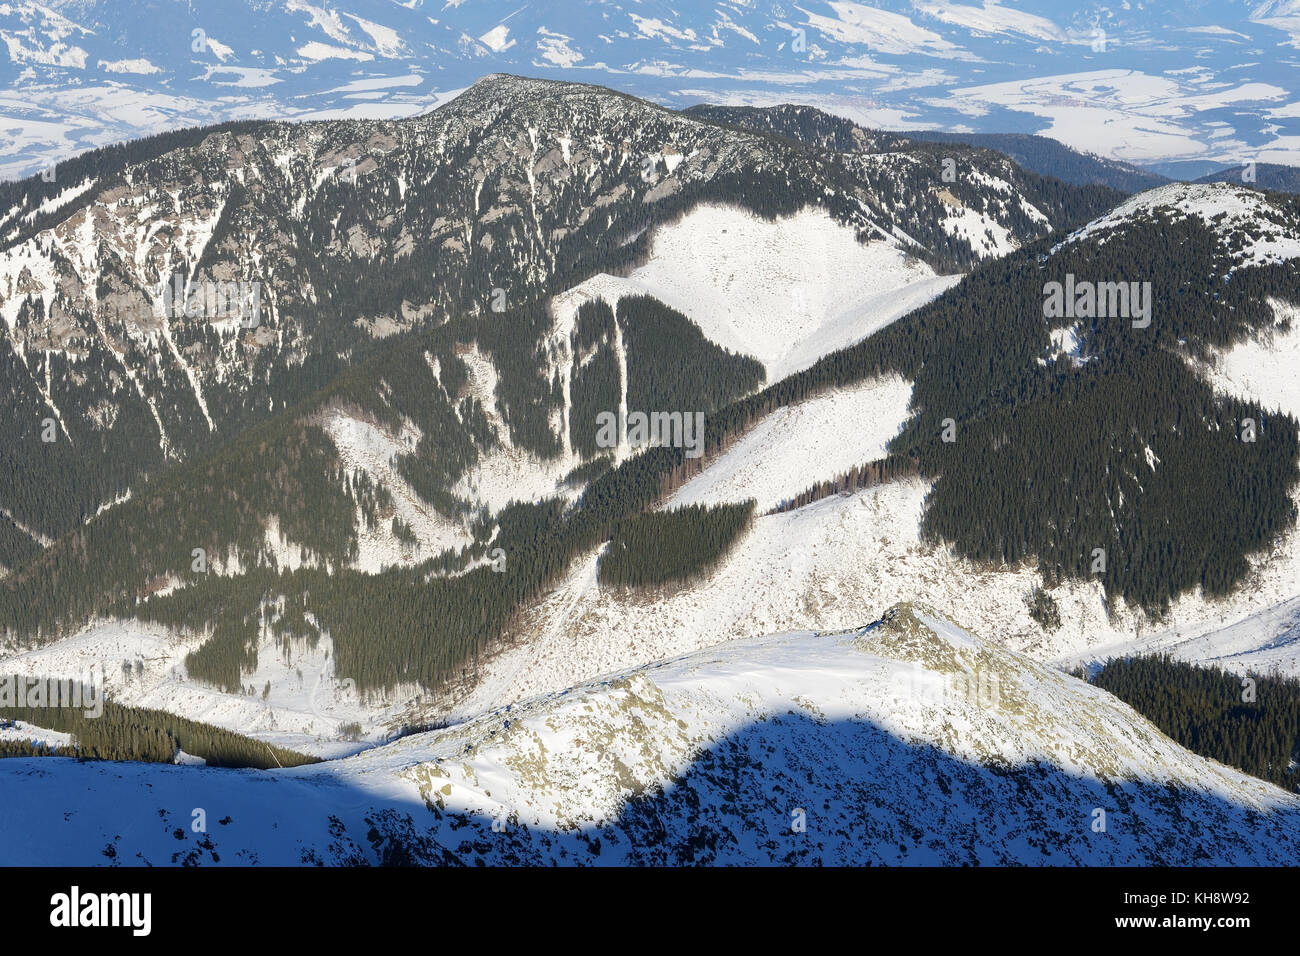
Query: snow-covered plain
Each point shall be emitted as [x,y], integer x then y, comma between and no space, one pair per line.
[79,78]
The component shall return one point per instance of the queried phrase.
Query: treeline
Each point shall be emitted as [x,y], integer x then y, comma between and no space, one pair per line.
[409,624]
[595,386]
[33,748]
[859,476]
[676,546]
[151,736]
[188,524]
[1252,723]
[671,366]
[974,358]
[1148,484]
[1129,452]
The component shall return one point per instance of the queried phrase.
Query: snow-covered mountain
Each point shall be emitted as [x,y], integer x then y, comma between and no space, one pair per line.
[801,568]
[907,741]
[1151,81]
[351,232]
[316,505]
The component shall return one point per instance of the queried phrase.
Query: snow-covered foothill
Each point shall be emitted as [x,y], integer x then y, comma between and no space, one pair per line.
[910,741]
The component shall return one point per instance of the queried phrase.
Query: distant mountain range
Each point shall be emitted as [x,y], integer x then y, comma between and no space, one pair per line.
[1161,81]
[1050,158]
[1285,179]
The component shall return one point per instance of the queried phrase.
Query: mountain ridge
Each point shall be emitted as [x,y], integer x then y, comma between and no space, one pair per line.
[932,731]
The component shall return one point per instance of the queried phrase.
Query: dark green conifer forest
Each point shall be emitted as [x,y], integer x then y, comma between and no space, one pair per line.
[144,734]
[675,546]
[1250,723]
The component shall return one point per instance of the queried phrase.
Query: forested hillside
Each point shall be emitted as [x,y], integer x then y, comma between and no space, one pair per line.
[141,734]
[1088,447]
[949,180]
[1251,723]
[1283,179]
[677,546]
[356,234]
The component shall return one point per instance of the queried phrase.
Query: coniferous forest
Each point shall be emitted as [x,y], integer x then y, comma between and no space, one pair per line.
[144,734]
[675,546]
[1251,723]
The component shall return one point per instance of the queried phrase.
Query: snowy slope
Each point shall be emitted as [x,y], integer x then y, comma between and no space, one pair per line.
[816,566]
[367,447]
[20,731]
[1222,207]
[909,742]
[303,710]
[1266,642]
[1259,628]
[796,446]
[1264,368]
[785,292]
